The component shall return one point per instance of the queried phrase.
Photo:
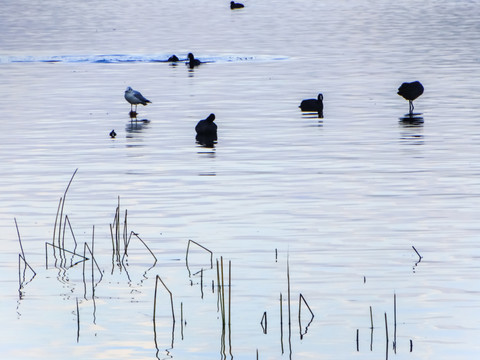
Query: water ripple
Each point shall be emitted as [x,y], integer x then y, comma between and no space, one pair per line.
[128,58]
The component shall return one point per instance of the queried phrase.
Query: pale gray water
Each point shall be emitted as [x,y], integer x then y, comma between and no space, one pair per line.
[343,198]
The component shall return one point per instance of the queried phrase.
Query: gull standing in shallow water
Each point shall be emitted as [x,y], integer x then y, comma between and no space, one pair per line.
[134,98]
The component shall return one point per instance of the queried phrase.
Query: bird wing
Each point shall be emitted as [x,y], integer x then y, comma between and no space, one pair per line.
[140,97]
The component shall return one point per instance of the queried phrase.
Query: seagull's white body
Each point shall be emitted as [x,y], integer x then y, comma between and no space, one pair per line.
[134,98]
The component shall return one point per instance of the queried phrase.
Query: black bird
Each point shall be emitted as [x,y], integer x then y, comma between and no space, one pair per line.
[313,105]
[206,131]
[234,5]
[410,91]
[113,134]
[192,62]
[173,58]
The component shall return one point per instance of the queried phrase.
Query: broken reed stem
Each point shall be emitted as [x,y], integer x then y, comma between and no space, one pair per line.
[155,298]
[300,299]
[85,247]
[419,256]
[144,244]
[203,247]
[64,250]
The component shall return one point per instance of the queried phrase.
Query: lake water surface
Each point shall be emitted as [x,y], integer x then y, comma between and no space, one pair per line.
[325,209]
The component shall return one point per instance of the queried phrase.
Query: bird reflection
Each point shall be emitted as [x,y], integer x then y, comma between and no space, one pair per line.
[206,132]
[137,125]
[412,132]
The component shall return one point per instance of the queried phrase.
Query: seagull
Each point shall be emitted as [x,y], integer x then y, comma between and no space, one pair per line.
[192,62]
[134,98]
[313,105]
[234,5]
[410,91]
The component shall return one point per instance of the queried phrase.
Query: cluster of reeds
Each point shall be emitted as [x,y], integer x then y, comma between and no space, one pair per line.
[66,254]
[302,303]
[121,240]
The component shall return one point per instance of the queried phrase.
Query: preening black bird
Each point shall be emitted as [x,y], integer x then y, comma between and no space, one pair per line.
[206,131]
[410,91]
[234,5]
[313,105]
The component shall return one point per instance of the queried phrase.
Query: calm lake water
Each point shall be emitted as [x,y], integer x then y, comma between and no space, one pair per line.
[337,204]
